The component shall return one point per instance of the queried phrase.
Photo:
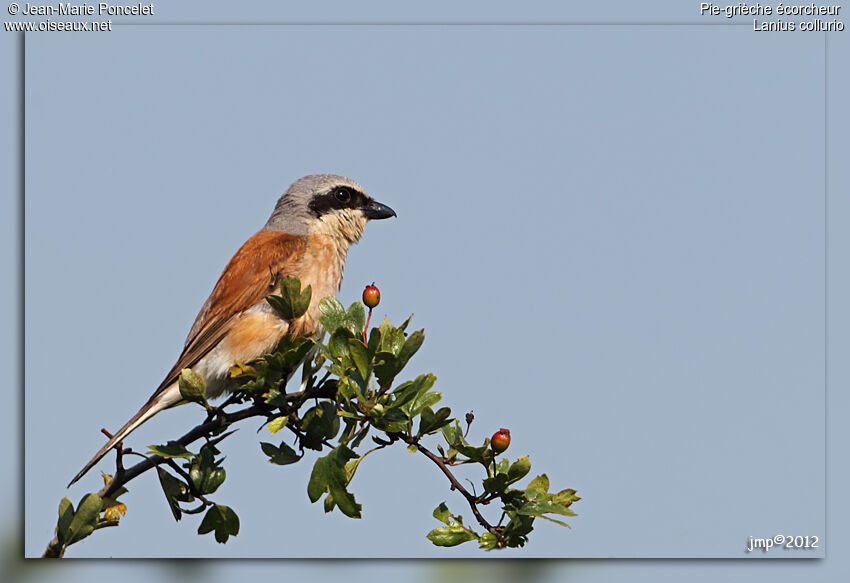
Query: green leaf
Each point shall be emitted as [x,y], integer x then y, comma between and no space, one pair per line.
[351,466]
[192,386]
[280,306]
[385,325]
[392,364]
[541,507]
[175,490]
[312,365]
[345,501]
[519,469]
[482,454]
[392,340]
[411,346]
[221,519]
[550,519]
[329,475]
[84,520]
[404,393]
[410,394]
[215,480]
[450,536]
[565,497]
[430,421]
[380,441]
[338,342]
[292,350]
[513,498]
[385,368]
[496,484]
[516,532]
[389,420]
[250,378]
[282,455]
[361,435]
[172,449]
[487,541]
[292,301]
[66,515]
[404,324]
[345,389]
[277,424]
[538,487]
[355,318]
[204,471]
[360,356]
[276,398]
[453,434]
[329,503]
[333,314]
[374,341]
[348,415]
[420,402]
[320,423]
[240,370]
[442,513]
[319,479]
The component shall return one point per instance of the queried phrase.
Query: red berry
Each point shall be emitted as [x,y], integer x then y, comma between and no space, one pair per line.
[500,440]
[371,296]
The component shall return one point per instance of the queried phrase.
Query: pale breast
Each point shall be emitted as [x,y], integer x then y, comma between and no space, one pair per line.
[322,269]
[258,329]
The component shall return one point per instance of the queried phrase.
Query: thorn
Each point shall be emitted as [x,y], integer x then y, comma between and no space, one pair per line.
[105,432]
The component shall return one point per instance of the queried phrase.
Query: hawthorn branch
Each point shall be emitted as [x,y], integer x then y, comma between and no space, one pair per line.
[203,430]
[219,421]
[123,476]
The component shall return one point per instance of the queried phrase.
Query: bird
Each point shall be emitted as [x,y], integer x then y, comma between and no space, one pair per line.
[307,236]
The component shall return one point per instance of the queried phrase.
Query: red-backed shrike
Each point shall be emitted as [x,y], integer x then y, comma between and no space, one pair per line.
[307,236]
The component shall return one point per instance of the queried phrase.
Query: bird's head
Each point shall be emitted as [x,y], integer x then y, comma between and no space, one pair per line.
[326,204]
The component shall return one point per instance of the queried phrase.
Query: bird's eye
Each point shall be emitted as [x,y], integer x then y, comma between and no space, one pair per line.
[342,194]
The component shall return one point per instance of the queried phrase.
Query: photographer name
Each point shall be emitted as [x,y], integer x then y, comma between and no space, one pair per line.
[100,9]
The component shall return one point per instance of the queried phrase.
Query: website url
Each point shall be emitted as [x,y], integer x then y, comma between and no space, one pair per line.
[58,26]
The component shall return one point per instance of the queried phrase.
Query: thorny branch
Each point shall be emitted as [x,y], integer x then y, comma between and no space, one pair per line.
[456,485]
[221,420]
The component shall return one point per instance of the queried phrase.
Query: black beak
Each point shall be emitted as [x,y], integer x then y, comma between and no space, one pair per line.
[376,210]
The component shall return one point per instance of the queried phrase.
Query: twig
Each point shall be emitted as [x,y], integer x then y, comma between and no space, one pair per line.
[55,550]
[456,485]
[190,437]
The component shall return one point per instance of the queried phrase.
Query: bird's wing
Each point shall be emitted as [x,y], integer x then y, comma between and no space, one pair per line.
[250,275]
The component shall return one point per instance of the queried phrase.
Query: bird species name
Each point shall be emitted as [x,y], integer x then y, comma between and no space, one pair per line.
[758,9]
[781,9]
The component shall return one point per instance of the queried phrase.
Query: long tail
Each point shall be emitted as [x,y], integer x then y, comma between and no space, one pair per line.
[157,403]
